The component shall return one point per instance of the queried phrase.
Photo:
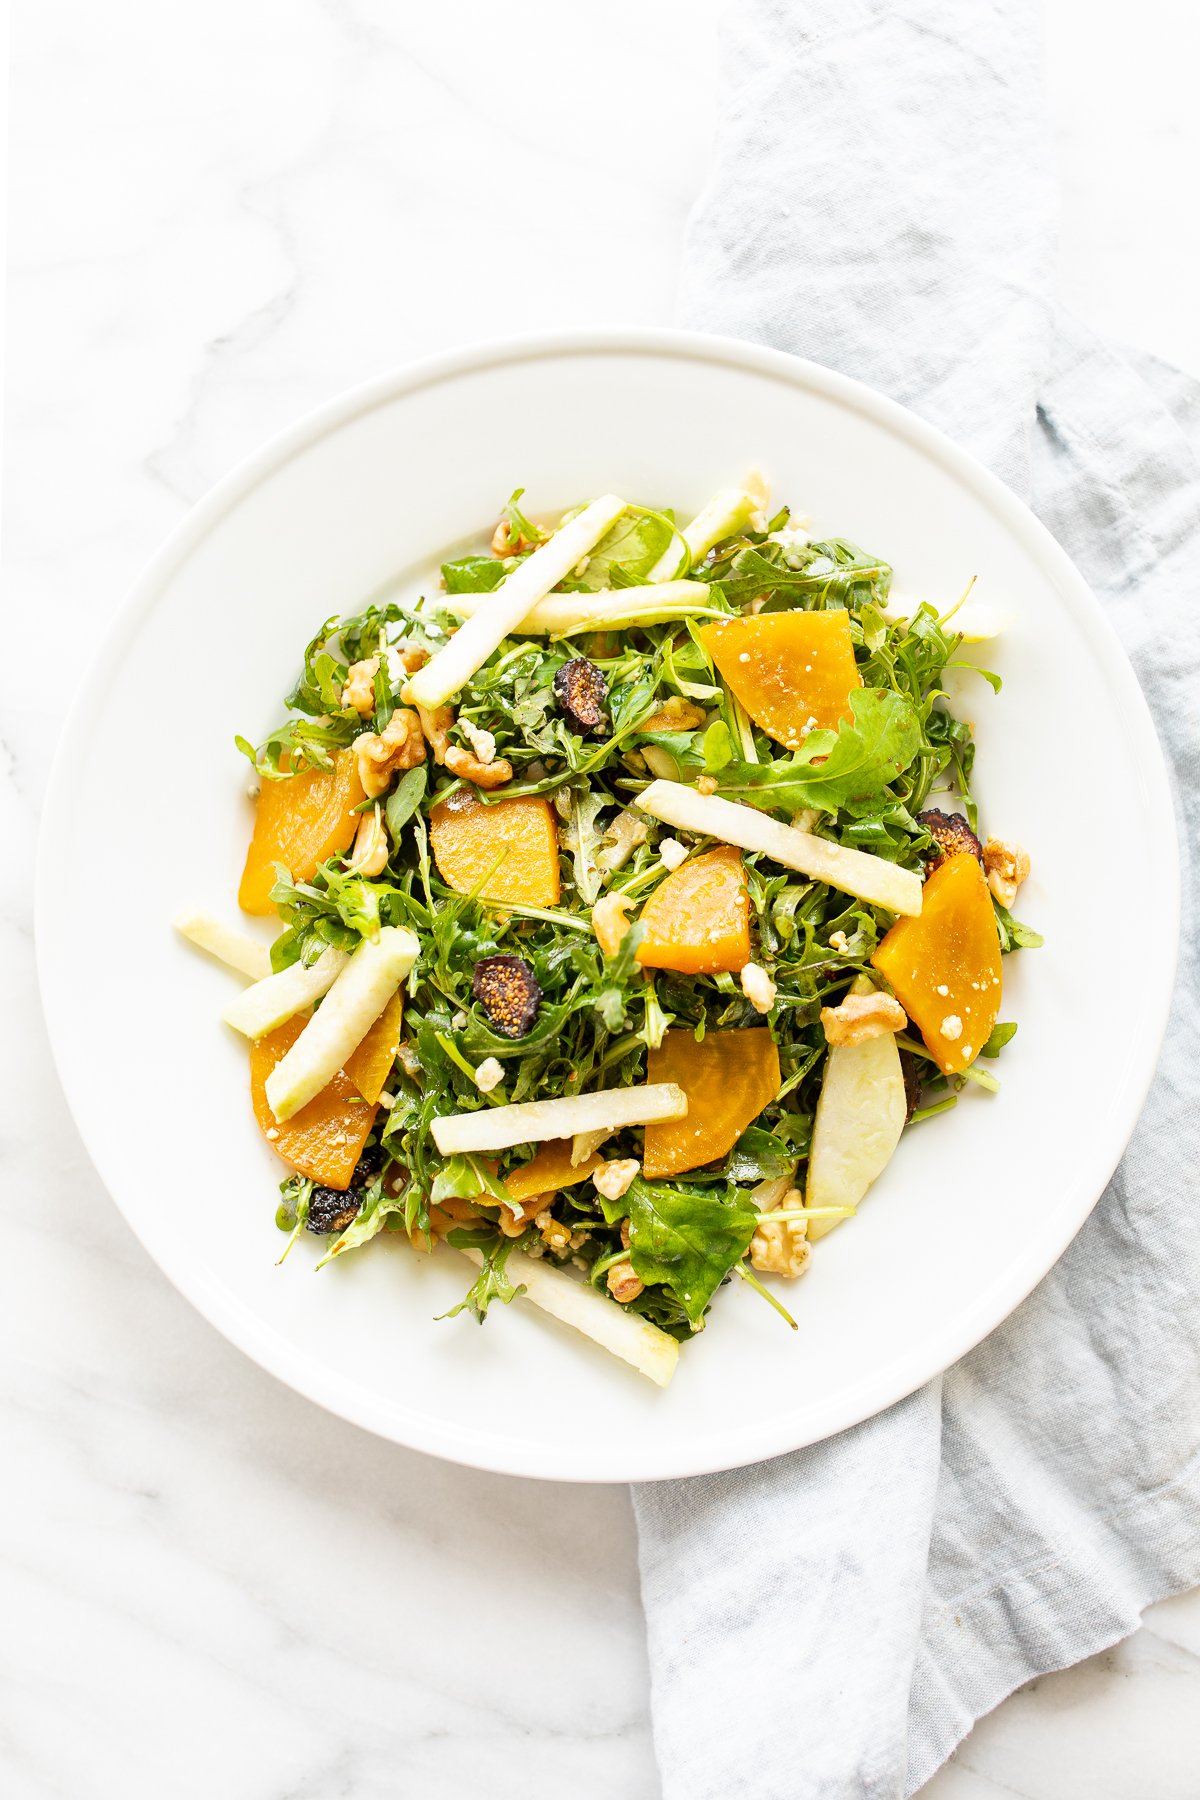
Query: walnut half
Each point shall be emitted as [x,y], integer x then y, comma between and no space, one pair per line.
[467,766]
[381,756]
[623,1284]
[358,690]
[862,1016]
[1006,866]
[778,1246]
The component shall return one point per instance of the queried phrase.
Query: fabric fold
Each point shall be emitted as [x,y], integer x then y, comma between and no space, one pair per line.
[881,203]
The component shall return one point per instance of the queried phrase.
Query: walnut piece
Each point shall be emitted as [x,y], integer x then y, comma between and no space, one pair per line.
[778,1246]
[513,1224]
[405,659]
[482,742]
[505,544]
[358,690]
[467,766]
[370,845]
[381,756]
[435,723]
[1006,865]
[862,1016]
[623,1284]
[609,921]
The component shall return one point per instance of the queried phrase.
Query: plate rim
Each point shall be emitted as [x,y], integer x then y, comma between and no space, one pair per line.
[896,1379]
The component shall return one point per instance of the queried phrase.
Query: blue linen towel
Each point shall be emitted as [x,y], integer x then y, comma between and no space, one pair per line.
[832,1623]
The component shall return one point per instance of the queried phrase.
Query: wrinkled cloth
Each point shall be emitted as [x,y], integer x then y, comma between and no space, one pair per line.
[831,1623]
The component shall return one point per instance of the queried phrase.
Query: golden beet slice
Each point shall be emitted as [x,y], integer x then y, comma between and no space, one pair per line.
[550,1170]
[729,1077]
[325,1138]
[369,1066]
[468,838]
[792,671]
[698,920]
[300,822]
[944,964]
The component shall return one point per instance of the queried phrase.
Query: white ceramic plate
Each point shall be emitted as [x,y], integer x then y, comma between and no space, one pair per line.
[150,795]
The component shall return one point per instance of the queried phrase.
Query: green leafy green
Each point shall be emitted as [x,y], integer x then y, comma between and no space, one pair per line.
[628,553]
[474,574]
[1014,935]
[467,1178]
[491,1283]
[1001,1034]
[758,1156]
[405,798]
[687,1241]
[848,769]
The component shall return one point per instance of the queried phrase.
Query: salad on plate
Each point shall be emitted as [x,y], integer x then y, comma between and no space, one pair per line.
[633,904]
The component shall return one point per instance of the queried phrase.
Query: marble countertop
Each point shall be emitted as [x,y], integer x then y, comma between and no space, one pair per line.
[221,215]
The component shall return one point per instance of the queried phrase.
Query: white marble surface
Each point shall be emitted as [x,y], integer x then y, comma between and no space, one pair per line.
[222,214]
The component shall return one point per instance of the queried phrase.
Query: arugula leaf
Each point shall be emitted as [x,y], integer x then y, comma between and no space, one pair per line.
[519,527]
[612,1001]
[474,574]
[1001,1034]
[626,554]
[491,1283]
[758,1155]
[717,747]
[465,1178]
[377,1208]
[1014,935]
[578,806]
[405,798]
[832,573]
[687,1242]
[319,688]
[846,770]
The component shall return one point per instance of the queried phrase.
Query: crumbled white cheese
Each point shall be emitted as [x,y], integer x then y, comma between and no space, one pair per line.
[840,942]
[615,1178]
[671,853]
[790,537]
[951,1026]
[943,990]
[745,656]
[396,666]
[758,987]
[489,1074]
[459,1021]
[272,1135]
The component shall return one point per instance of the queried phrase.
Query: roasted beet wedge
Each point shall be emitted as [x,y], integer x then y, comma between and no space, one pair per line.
[508,993]
[582,692]
[951,836]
